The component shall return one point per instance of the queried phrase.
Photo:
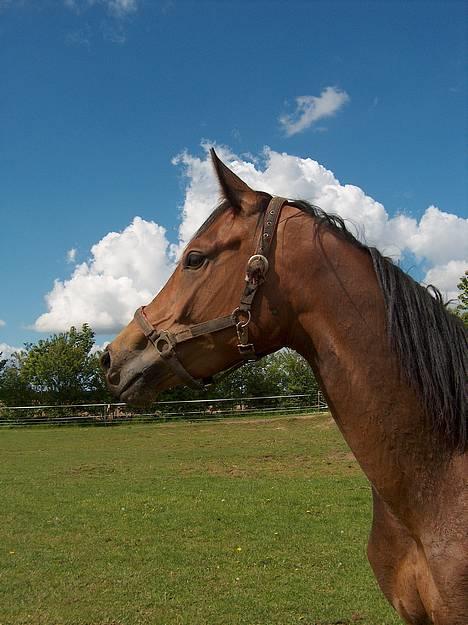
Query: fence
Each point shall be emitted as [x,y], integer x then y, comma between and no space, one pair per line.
[191,410]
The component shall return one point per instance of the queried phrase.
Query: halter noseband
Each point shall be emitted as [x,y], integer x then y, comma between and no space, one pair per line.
[165,342]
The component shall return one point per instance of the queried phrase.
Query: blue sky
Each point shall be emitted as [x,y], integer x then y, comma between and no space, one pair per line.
[98,97]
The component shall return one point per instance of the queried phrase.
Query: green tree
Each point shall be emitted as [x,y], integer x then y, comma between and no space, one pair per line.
[292,373]
[62,369]
[3,362]
[250,380]
[282,373]
[13,389]
[462,308]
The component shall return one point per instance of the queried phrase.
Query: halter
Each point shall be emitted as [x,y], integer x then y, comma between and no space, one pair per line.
[165,342]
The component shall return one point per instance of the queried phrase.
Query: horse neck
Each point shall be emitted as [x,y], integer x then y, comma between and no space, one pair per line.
[338,323]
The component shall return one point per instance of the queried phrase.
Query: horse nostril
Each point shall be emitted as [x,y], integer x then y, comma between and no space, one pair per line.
[105,360]
[113,377]
[112,374]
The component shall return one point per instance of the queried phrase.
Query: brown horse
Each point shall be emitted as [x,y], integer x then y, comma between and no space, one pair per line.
[390,360]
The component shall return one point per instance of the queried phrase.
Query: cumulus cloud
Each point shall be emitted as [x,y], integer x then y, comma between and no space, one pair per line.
[7,351]
[295,177]
[310,108]
[2,323]
[439,240]
[202,188]
[446,277]
[126,269]
[440,237]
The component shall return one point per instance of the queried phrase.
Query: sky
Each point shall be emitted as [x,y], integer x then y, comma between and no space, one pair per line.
[108,109]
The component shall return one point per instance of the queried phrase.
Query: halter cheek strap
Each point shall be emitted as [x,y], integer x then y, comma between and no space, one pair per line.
[165,342]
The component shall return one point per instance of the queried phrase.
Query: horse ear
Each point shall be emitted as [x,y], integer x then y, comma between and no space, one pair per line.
[239,194]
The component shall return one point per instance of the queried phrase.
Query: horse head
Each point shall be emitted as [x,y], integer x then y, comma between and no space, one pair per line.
[208,317]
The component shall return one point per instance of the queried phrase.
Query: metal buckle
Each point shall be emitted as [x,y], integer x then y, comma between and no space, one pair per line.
[246,349]
[166,340]
[235,315]
[257,267]
[241,326]
[258,258]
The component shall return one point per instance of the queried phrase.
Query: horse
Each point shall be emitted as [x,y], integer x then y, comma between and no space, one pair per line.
[263,273]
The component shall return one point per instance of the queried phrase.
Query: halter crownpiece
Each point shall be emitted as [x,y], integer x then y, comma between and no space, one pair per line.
[165,342]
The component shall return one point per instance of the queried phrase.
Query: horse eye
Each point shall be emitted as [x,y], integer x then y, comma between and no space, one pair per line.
[194,260]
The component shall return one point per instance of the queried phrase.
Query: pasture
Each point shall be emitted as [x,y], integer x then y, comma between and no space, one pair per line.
[262,522]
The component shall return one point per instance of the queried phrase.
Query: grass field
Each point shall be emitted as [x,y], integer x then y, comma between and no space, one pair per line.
[239,523]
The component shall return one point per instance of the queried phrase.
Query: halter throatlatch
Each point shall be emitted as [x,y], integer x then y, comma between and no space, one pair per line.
[165,342]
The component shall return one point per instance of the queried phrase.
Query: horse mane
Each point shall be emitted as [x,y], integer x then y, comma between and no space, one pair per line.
[430,342]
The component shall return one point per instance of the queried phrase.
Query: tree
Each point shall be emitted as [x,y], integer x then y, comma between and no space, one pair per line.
[253,379]
[462,308]
[282,373]
[13,389]
[292,373]
[62,368]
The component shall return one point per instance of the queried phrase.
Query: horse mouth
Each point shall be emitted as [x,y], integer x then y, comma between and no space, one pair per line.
[143,386]
[128,390]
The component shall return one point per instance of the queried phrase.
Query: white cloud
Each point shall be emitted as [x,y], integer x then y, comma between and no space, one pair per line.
[71,255]
[2,323]
[446,277]
[440,237]
[295,177]
[99,347]
[436,239]
[201,191]
[310,108]
[127,269]
[6,351]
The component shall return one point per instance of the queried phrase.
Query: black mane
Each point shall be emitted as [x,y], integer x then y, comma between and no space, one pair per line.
[430,342]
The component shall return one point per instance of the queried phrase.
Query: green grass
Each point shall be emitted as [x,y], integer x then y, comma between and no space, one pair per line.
[239,523]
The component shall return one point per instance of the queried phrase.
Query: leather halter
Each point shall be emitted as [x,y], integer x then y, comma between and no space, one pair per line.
[165,342]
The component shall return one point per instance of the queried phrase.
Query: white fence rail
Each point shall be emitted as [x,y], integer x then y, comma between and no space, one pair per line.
[191,410]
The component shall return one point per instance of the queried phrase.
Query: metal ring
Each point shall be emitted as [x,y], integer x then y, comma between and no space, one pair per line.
[241,324]
[166,341]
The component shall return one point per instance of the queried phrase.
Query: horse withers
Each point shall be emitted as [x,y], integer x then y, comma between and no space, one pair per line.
[264,273]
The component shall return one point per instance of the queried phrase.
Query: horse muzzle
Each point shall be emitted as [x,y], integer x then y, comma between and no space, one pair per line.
[136,377]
